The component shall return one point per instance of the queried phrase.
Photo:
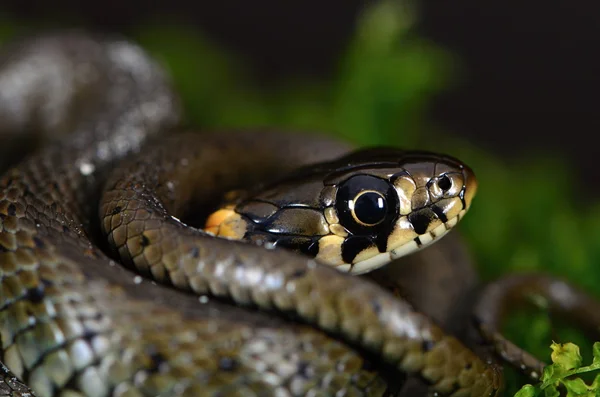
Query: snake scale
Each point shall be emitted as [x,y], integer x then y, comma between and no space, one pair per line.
[200,316]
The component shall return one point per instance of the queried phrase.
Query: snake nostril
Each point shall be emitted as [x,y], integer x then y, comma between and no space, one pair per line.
[444,183]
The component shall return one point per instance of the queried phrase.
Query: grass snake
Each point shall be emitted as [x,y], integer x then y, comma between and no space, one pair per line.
[190,314]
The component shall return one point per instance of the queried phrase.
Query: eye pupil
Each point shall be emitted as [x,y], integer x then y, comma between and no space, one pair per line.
[370,208]
[444,183]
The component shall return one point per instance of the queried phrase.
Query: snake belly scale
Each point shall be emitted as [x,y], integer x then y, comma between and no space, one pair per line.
[75,323]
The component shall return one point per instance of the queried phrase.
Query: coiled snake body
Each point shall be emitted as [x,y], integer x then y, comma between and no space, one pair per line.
[73,322]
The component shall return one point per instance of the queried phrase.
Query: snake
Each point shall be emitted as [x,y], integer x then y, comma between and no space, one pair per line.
[111,286]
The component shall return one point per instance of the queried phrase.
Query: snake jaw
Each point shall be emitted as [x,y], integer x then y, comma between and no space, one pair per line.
[414,243]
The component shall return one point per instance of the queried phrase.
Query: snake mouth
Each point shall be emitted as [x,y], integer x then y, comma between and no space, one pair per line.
[426,238]
[405,248]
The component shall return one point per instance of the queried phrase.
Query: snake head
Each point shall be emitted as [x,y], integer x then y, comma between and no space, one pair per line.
[359,212]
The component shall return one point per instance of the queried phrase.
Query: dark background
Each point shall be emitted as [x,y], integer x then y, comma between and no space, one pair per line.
[530,75]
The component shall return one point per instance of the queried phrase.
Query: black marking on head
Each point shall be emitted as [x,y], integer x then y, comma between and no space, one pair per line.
[461,195]
[313,249]
[353,245]
[116,210]
[3,248]
[420,220]
[418,241]
[382,241]
[228,364]
[66,229]
[439,213]
[11,210]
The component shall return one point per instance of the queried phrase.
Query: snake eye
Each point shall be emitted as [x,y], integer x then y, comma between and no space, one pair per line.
[444,183]
[366,205]
[368,208]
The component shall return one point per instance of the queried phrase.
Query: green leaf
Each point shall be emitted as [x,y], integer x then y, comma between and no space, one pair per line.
[566,364]
[567,355]
[548,373]
[576,387]
[528,391]
[551,391]
[596,352]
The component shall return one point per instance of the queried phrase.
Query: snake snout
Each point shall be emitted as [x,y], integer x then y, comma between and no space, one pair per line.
[434,195]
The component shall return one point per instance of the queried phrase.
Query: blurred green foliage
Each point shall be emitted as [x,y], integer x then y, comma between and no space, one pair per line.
[378,91]
[529,214]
